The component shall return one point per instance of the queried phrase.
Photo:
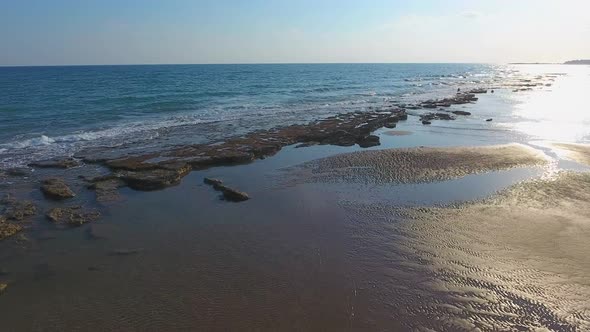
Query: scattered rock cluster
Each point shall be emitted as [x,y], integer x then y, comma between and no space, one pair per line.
[13,212]
[459,99]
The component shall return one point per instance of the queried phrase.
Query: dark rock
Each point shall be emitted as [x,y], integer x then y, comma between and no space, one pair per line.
[390,125]
[212,182]
[369,141]
[425,122]
[230,194]
[489,120]
[56,163]
[481,90]
[436,116]
[72,216]
[56,188]
[153,179]
[461,112]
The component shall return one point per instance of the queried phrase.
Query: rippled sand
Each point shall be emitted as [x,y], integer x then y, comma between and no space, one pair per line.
[417,164]
[516,261]
[577,152]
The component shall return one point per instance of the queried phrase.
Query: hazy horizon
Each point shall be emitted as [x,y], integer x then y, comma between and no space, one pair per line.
[65,32]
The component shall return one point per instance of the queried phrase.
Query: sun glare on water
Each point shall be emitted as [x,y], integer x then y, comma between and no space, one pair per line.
[563,114]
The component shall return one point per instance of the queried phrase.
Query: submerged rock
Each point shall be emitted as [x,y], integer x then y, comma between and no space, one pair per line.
[489,120]
[16,209]
[232,195]
[106,188]
[425,122]
[369,141]
[56,163]
[56,188]
[229,194]
[19,171]
[72,216]
[8,229]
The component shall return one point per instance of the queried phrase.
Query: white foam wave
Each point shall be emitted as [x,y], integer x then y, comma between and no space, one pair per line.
[101,134]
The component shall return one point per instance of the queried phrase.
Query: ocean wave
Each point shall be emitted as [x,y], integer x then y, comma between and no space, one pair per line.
[103,134]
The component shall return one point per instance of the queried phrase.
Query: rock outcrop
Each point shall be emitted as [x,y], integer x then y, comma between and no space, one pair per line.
[57,189]
[72,216]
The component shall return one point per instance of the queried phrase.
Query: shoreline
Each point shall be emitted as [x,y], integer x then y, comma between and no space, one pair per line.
[363,252]
[105,173]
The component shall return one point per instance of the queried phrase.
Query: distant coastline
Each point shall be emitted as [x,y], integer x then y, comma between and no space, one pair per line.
[570,62]
[578,62]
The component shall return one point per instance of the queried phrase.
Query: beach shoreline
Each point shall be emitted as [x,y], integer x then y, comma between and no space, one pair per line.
[377,233]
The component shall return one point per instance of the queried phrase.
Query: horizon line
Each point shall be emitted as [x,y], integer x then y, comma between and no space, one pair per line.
[250,63]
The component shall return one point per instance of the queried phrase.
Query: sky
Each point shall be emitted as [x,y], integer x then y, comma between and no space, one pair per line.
[74,32]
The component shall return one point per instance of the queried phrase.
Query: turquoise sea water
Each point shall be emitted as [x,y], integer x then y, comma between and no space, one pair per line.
[49,111]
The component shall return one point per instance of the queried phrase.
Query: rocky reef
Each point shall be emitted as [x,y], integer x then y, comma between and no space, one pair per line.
[162,169]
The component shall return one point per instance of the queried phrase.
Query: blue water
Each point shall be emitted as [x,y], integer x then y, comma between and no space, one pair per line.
[50,111]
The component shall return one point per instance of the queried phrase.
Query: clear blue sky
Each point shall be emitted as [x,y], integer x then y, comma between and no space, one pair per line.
[40,32]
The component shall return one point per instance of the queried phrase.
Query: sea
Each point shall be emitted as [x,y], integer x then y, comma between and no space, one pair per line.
[47,112]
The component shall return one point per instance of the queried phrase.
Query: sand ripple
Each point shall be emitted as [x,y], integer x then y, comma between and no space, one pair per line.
[517,261]
[417,164]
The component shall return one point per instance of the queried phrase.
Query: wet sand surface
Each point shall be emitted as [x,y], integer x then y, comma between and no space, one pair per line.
[577,152]
[515,261]
[417,165]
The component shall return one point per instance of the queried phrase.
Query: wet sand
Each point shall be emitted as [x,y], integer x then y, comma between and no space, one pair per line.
[577,152]
[517,260]
[418,165]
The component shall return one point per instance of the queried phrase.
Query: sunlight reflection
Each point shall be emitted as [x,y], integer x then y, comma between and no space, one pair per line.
[561,115]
